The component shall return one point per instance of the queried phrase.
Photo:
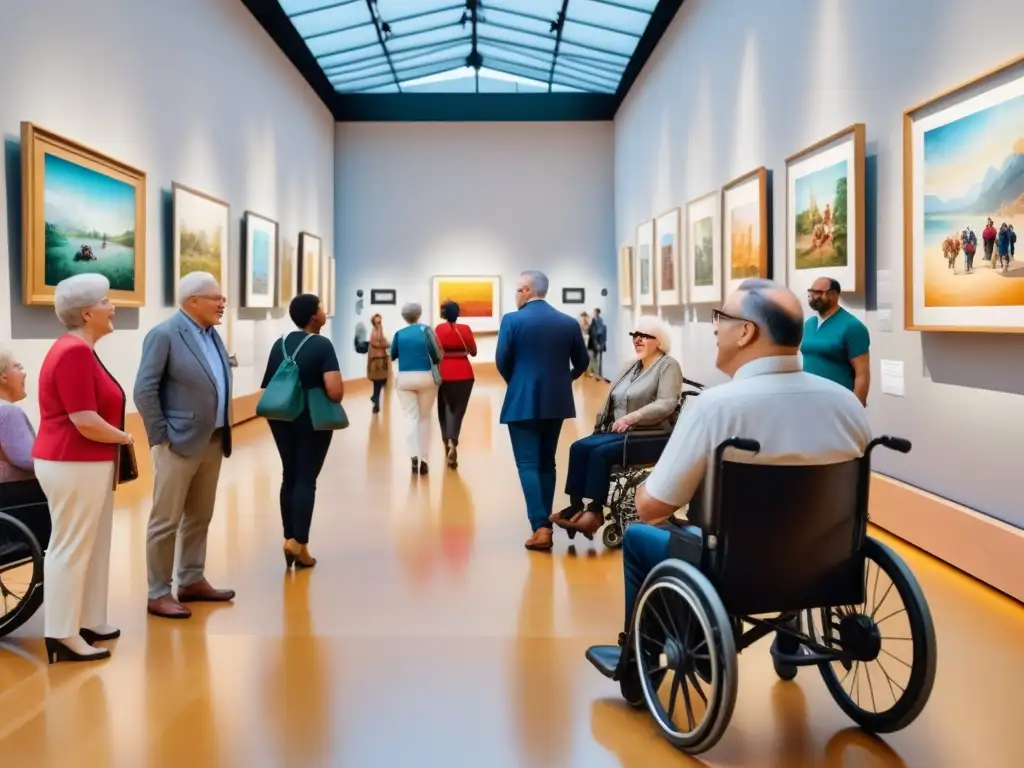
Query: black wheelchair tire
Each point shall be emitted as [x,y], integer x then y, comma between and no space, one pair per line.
[925,650]
[611,536]
[33,600]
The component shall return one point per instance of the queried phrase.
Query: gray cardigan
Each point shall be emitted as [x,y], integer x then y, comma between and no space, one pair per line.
[654,395]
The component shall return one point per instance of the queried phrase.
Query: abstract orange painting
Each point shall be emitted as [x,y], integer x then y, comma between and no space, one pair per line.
[478,298]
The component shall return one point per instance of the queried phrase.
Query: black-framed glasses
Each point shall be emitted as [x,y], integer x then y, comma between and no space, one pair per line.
[718,316]
[634,335]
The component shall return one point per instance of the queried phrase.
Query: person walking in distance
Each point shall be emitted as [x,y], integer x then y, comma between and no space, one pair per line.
[183,394]
[536,347]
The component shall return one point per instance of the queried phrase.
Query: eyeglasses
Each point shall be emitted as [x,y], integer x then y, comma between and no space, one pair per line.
[718,316]
[646,336]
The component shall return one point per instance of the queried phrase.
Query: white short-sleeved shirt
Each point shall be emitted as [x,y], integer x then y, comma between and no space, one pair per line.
[797,417]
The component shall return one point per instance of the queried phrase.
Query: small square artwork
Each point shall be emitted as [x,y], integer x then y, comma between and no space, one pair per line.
[383,296]
[574,296]
[259,262]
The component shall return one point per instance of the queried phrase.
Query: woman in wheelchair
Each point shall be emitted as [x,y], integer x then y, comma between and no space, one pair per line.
[643,401]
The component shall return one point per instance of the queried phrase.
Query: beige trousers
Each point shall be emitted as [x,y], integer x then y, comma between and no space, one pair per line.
[76,570]
[184,494]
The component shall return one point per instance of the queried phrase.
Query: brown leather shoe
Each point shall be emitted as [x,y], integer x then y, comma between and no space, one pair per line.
[202,592]
[168,608]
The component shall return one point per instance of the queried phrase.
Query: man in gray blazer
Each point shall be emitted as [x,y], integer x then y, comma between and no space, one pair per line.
[183,394]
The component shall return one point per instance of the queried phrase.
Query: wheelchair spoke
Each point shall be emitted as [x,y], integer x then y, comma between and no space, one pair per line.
[894,613]
[880,603]
[897,658]
[890,681]
[691,723]
[673,692]
[871,688]
[692,677]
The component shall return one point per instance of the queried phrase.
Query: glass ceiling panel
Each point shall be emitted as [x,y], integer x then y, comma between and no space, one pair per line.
[515,38]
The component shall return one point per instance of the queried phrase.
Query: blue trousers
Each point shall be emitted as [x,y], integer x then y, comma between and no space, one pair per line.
[591,459]
[643,547]
[534,443]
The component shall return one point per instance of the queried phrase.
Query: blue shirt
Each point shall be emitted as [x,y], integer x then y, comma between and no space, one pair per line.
[212,354]
[829,346]
[409,348]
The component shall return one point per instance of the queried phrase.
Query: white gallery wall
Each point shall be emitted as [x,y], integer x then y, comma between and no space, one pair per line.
[734,85]
[195,93]
[422,199]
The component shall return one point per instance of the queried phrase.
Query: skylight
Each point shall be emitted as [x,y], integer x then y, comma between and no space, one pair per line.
[473,46]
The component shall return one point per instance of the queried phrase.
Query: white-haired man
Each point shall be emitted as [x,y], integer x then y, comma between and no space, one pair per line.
[183,394]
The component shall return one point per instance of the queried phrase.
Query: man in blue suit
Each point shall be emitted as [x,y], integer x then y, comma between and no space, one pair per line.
[536,347]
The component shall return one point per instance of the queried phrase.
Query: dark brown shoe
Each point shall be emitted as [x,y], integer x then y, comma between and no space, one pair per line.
[202,592]
[168,608]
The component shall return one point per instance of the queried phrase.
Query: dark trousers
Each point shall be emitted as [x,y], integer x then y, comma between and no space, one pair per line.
[591,460]
[377,387]
[302,451]
[452,400]
[534,443]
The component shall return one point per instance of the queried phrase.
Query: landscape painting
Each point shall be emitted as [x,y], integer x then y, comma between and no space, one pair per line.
[201,227]
[825,212]
[478,297]
[968,208]
[85,212]
[626,276]
[310,252]
[644,264]
[704,266]
[666,235]
[745,219]
[259,263]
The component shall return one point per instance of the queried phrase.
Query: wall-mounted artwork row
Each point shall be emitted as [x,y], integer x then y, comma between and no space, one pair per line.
[963,191]
[82,212]
[825,212]
[626,276]
[745,228]
[669,292]
[310,253]
[201,230]
[478,297]
[259,261]
[704,239]
[644,269]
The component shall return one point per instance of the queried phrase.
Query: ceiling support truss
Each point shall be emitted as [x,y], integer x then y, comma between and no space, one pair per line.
[383,30]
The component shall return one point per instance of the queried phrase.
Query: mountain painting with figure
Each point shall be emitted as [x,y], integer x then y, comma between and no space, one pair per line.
[703,253]
[974,193]
[89,224]
[822,218]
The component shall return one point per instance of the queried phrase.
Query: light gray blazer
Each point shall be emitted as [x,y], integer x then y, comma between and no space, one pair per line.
[175,391]
[654,396]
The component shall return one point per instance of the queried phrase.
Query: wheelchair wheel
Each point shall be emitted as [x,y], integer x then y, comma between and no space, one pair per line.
[611,536]
[876,686]
[686,652]
[21,574]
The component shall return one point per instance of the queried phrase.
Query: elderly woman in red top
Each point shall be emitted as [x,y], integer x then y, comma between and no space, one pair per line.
[458,345]
[81,410]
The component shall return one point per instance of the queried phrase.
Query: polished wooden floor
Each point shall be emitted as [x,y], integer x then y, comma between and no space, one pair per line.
[428,636]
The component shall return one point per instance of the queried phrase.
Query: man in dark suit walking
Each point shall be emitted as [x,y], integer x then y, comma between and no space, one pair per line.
[536,347]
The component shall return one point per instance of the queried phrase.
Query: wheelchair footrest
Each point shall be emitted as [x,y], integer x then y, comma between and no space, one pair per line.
[804,657]
[605,659]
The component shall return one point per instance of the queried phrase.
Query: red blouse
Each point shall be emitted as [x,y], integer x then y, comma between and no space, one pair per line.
[458,344]
[73,379]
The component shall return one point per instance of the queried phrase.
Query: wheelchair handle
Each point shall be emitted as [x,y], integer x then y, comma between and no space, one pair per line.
[740,443]
[691,383]
[899,444]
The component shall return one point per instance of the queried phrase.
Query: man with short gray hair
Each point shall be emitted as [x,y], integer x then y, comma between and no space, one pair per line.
[183,394]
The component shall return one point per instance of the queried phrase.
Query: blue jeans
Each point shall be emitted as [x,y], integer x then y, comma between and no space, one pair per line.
[534,443]
[644,547]
[591,459]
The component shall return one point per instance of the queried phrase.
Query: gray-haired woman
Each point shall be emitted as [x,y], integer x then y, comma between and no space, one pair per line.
[418,353]
[81,410]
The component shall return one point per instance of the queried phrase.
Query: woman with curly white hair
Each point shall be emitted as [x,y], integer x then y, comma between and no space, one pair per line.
[643,401]
[81,425]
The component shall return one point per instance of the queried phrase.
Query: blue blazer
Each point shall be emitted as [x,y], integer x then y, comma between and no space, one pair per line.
[536,347]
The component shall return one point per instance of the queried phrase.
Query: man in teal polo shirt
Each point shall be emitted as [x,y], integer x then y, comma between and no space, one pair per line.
[836,343]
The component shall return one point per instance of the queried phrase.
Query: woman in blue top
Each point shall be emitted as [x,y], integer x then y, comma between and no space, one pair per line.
[418,354]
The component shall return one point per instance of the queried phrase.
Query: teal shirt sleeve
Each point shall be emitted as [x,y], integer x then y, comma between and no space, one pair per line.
[858,340]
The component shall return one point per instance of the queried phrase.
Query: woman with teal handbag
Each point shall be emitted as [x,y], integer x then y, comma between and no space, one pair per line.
[303,440]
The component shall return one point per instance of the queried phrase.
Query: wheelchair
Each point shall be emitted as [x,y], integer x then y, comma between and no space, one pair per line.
[628,476]
[783,552]
[24,537]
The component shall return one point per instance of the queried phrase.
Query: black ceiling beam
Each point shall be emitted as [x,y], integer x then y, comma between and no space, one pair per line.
[371,6]
[559,25]
[663,14]
[475,107]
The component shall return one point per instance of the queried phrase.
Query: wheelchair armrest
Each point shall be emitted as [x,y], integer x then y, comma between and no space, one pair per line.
[648,434]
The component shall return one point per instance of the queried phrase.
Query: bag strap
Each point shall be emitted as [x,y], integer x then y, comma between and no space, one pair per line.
[459,334]
[284,349]
[431,347]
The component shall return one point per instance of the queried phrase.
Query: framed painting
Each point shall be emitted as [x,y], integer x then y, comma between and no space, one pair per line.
[383,296]
[704,241]
[644,269]
[626,276]
[963,197]
[666,260]
[478,297]
[574,296]
[310,252]
[287,281]
[745,229]
[825,212]
[202,227]
[82,211]
[259,261]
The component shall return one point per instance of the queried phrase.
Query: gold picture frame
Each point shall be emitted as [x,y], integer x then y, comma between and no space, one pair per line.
[96,204]
[737,196]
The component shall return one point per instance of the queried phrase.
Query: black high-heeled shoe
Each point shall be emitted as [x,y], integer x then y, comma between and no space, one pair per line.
[564,517]
[57,651]
[92,637]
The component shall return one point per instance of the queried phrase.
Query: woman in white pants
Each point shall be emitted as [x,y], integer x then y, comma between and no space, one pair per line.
[81,410]
[418,354]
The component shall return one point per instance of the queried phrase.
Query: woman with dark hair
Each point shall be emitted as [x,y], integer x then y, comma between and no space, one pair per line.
[458,345]
[378,364]
[302,448]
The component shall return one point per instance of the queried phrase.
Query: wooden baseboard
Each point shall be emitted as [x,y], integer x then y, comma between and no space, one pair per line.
[987,549]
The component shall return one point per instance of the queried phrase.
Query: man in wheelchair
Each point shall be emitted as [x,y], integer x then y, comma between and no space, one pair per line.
[797,419]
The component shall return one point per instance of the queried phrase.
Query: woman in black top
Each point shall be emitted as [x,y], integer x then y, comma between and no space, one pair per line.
[302,448]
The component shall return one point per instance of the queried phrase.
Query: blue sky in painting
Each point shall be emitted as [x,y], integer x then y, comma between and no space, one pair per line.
[821,183]
[81,198]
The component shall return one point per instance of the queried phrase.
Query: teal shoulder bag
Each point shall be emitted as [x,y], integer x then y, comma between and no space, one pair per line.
[325,414]
[284,399]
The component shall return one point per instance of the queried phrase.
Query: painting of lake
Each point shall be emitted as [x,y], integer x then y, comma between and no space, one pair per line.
[90,224]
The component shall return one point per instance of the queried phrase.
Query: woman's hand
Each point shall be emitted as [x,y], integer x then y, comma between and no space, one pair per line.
[621,425]
[127,438]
